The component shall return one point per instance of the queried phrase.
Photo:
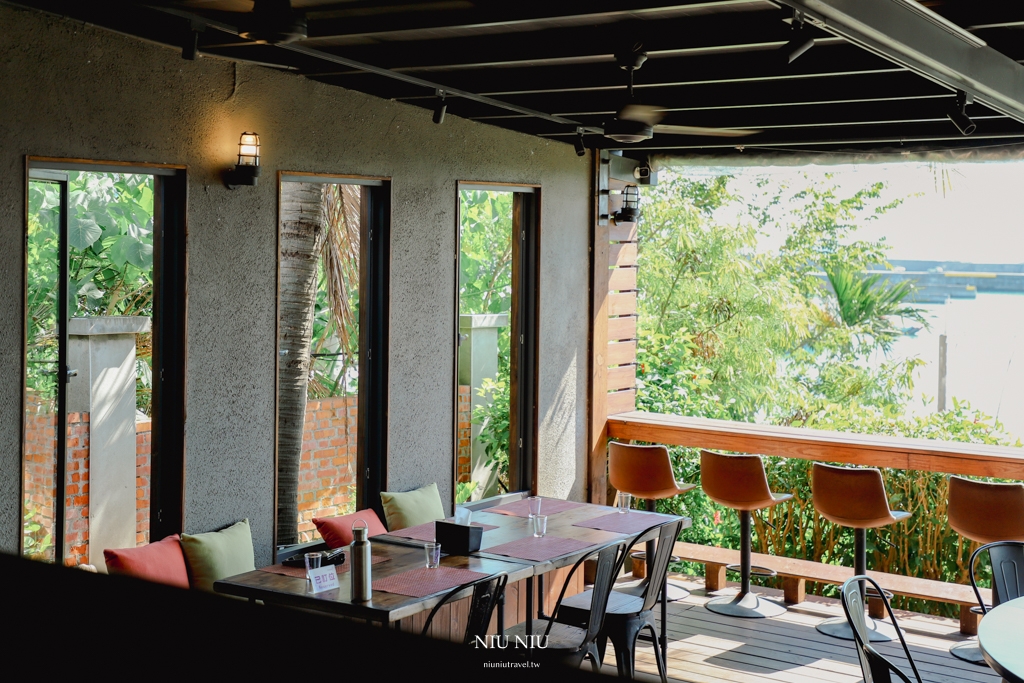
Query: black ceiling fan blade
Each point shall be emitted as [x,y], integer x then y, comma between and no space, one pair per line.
[644,113]
[702,130]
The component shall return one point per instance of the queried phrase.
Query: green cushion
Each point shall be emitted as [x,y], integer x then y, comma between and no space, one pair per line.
[402,510]
[218,554]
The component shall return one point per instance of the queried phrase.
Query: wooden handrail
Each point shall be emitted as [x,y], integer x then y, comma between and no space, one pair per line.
[814,444]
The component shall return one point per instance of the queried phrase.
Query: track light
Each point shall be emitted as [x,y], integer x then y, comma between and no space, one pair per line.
[959,116]
[440,108]
[581,149]
[800,43]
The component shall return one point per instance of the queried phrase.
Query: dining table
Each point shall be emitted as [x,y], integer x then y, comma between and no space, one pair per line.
[1001,636]
[508,544]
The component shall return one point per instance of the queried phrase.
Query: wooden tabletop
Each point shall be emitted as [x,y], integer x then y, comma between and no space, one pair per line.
[382,607]
[1001,635]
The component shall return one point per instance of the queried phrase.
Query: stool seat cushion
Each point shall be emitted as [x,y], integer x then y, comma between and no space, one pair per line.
[660,494]
[160,562]
[644,471]
[986,512]
[737,481]
[852,496]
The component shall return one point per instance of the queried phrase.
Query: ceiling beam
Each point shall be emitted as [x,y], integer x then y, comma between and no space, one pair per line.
[909,34]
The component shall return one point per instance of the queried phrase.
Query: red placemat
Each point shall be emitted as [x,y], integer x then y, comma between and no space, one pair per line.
[548,506]
[425,532]
[538,549]
[419,583]
[300,572]
[624,523]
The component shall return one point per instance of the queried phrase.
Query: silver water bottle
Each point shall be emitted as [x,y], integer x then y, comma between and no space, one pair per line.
[359,553]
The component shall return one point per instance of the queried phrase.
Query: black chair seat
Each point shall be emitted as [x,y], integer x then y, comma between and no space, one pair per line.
[576,609]
[561,637]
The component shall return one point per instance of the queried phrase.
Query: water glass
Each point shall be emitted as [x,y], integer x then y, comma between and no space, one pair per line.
[540,526]
[623,501]
[433,552]
[534,503]
[312,562]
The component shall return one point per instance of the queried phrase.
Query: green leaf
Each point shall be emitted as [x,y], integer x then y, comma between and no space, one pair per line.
[83,232]
[133,251]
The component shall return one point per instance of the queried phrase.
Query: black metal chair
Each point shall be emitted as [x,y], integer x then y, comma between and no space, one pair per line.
[1007,561]
[487,593]
[631,610]
[568,644]
[875,667]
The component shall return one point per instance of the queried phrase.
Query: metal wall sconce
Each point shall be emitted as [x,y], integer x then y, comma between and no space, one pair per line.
[247,171]
[630,211]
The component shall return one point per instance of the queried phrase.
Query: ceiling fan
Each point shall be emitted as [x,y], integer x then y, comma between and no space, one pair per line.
[636,122]
[271,22]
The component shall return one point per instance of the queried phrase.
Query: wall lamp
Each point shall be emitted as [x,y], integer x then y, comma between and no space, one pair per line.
[958,115]
[247,171]
[440,108]
[630,211]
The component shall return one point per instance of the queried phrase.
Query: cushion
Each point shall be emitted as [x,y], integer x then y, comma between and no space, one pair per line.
[412,508]
[218,554]
[337,531]
[161,562]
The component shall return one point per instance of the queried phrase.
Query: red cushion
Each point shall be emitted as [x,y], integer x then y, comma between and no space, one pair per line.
[337,531]
[161,562]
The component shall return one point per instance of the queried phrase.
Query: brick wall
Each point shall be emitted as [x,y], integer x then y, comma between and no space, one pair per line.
[328,462]
[465,433]
[143,451]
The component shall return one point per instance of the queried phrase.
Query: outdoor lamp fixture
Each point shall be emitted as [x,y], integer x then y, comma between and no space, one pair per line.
[440,108]
[247,172]
[581,149]
[959,116]
[630,211]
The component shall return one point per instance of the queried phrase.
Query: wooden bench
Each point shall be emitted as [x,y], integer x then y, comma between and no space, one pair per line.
[795,573]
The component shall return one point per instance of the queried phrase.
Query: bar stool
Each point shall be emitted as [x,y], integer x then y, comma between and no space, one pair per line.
[646,473]
[984,513]
[854,497]
[739,482]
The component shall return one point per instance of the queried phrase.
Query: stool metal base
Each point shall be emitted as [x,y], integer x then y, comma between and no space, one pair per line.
[838,627]
[969,651]
[746,606]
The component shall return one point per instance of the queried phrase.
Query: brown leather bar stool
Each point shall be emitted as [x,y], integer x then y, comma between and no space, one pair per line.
[646,473]
[984,513]
[854,497]
[739,482]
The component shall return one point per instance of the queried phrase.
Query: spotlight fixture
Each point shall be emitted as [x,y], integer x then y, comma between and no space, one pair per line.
[630,211]
[440,108]
[800,43]
[247,171]
[959,116]
[581,149]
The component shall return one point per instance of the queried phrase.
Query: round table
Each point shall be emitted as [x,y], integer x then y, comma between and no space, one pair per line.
[1001,635]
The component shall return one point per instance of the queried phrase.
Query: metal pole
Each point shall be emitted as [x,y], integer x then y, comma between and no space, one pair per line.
[745,551]
[860,555]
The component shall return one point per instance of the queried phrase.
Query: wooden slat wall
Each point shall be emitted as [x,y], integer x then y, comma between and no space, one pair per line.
[622,294]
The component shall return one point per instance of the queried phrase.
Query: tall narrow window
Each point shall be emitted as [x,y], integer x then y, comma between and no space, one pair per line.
[495,368]
[332,365]
[98,360]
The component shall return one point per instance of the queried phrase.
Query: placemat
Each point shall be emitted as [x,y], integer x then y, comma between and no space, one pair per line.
[300,572]
[538,549]
[425,532]
[624,523]
[419,583]
[548,506]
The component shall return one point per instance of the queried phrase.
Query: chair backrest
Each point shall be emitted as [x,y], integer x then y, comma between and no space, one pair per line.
[851,496]
[609,563]
[639,468]
[734,480]
[1007,558]
[986,512]
[486,594]
[875,667]
[668,533]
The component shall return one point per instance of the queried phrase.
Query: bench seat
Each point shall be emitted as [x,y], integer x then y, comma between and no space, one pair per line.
[795,573]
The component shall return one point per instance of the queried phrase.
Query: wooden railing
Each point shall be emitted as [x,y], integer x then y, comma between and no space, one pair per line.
[813,444]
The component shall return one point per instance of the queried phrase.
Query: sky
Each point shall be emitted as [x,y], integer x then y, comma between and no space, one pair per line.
[978,219]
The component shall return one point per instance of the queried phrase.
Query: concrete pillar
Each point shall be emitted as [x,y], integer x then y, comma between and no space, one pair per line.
[102,351]
[478,359]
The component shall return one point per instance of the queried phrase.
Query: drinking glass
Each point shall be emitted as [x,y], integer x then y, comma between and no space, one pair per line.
[623,501]
[433,552]
[540,525]
[534,503]
[312,562]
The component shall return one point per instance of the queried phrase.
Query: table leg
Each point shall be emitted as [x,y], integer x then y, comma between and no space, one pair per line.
[529,606]
[540,597]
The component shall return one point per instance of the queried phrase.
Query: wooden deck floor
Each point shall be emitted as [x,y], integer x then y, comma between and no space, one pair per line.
[705,647]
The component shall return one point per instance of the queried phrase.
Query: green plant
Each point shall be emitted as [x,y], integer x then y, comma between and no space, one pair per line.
[493,418]
[464,490]
[37,541]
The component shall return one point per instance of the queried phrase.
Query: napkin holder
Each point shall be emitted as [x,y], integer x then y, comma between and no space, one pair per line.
[457,539]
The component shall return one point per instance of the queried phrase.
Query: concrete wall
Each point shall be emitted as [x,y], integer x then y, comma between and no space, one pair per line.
[76,91]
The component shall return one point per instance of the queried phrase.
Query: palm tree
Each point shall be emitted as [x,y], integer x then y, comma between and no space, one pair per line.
[869,303]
